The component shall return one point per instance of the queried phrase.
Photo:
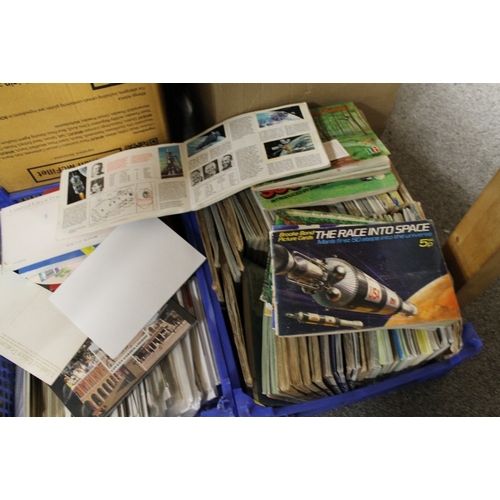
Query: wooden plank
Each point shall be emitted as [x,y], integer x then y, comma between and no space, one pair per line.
[472,252]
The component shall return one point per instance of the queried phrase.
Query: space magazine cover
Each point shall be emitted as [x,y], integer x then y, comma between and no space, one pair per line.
[334,279]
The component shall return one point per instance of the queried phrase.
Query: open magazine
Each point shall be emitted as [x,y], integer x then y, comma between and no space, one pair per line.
[174,178]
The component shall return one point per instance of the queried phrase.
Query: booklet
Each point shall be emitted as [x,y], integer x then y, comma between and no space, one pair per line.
[334,279]
[167,179]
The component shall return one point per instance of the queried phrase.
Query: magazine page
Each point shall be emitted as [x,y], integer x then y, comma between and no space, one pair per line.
[252,148]
[130,185]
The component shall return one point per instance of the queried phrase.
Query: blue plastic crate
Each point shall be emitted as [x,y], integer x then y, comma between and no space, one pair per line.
[247,407]
[224,406]
[7,387]
[233,401]
[7,199]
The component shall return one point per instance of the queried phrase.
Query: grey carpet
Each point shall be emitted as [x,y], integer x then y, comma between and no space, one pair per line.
[445,144]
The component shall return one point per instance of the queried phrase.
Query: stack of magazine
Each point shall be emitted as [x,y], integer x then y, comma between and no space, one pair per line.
[330,294]
[363,301]
[353,149]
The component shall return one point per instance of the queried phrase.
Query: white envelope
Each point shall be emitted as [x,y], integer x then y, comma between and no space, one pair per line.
[125,281]
[34,334]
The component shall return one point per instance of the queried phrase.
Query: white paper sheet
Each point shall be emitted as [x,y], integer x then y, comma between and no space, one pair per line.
[335,150]
[125,281]
[34,334]
[29,233]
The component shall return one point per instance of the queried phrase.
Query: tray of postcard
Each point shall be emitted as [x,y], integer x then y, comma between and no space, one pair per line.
[190,379]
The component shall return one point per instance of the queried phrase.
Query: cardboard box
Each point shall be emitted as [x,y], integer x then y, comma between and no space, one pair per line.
[224,100]
[45,128]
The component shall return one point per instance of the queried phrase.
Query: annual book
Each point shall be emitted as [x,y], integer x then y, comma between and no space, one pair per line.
[353,149]
[326,194]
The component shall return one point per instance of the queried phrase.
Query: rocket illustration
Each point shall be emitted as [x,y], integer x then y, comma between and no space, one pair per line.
[334,283]
[324,320]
